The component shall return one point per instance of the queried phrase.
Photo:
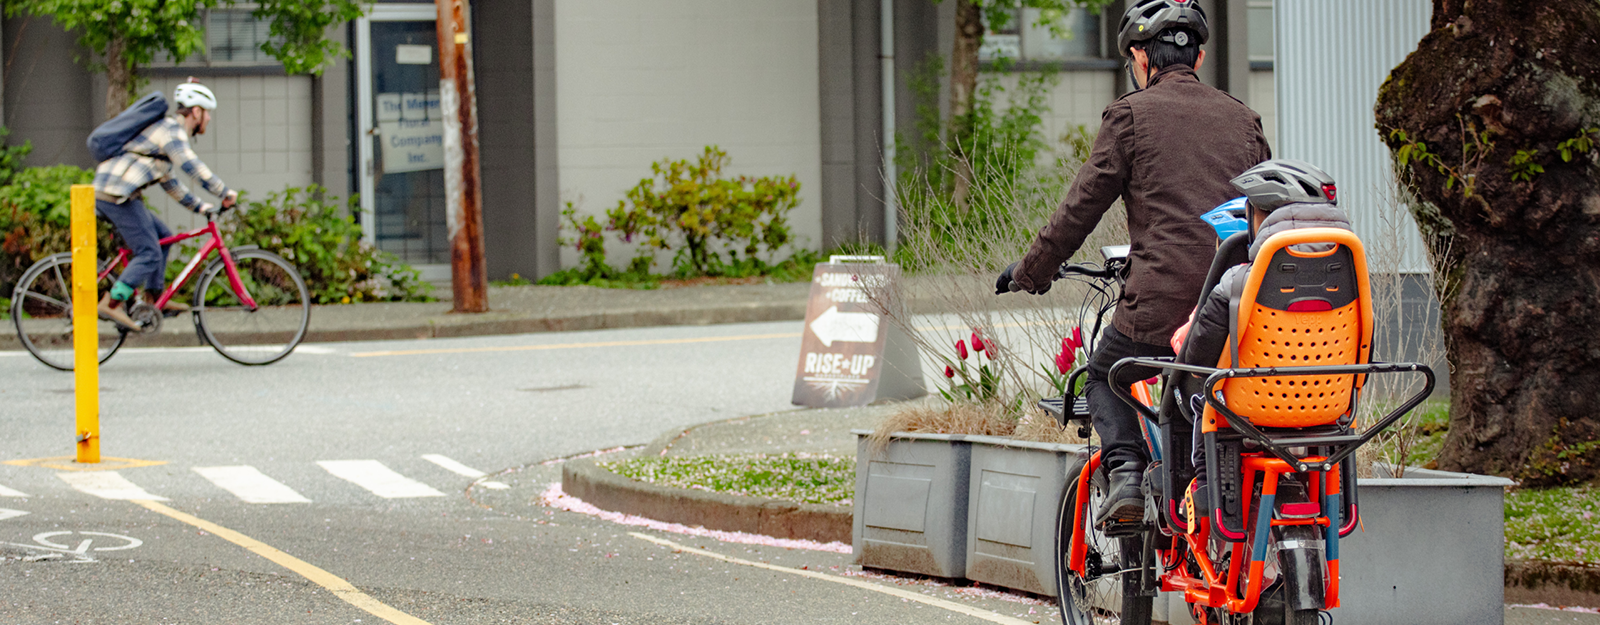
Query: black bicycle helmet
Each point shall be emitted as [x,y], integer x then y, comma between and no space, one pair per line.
[1281,181]
[1145,19]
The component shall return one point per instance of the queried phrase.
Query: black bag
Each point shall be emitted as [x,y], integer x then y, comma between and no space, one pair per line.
[108,140]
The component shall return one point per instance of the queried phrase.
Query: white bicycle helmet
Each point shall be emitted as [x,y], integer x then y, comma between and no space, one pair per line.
[194,94]
[1283,181]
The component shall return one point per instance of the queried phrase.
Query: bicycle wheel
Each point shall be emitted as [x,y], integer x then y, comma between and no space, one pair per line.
[41,309]
[1096,596]
[253,336]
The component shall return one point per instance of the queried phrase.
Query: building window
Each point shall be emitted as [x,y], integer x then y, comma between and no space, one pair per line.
[1031,35]
[233,37]
[1260,22]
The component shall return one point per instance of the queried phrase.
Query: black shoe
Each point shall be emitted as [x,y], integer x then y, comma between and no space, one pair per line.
[1124,501]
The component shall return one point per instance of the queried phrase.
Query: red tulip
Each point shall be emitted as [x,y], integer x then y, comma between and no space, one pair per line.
[949,372]
[1153,380]
[977,341]
[1077,337]
[1064,362]
[961,349]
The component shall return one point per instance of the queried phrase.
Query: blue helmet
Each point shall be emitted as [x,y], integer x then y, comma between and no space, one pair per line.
[1228,218]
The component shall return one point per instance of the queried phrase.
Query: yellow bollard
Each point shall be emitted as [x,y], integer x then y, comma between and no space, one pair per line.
[85,323]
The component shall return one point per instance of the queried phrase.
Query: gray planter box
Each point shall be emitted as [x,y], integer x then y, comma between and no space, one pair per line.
[911,504]
[1015,499]
[1431,550]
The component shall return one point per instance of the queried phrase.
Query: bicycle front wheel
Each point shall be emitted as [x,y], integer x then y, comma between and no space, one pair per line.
[41,309]
[257,335]
[1097,595]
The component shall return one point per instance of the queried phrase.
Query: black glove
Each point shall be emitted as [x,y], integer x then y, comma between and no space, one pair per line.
[1006,283]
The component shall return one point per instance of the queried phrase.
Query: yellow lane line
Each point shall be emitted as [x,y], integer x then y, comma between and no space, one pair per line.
[524,348]
[340,588]
[959,608]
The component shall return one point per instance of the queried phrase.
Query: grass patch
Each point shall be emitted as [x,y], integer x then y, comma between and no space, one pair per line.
[1557,524]
[797,477]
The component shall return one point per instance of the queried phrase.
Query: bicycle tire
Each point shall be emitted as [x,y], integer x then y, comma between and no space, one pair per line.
[259,336]
[1094,599]
[41,312]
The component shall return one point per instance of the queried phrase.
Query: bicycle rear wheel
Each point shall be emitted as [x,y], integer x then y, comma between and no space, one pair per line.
[1096,596]
[253,336]
[41,310]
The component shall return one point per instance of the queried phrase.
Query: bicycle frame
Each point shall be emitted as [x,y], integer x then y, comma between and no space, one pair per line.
[213,244]
[1248,550]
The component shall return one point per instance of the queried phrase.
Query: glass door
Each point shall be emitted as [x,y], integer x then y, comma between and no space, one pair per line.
[401,146]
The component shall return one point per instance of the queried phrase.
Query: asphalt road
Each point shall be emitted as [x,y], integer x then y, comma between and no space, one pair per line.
[488,404]
[404,529]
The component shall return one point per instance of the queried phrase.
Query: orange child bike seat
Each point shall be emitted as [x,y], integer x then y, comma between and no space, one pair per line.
[1305,302]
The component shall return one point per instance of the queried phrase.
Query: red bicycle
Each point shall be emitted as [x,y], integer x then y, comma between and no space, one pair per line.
[250,305]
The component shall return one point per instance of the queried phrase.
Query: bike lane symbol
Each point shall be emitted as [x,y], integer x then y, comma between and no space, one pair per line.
[79,553]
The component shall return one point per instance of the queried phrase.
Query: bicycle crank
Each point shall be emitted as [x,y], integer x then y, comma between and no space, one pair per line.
[148,317]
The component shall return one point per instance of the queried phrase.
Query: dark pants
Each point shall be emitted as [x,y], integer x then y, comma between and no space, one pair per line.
[1114,420]
[142,232]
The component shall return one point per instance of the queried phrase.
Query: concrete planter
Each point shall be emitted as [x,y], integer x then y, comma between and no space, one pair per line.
[911,504]
[1432,550]
[1015,496]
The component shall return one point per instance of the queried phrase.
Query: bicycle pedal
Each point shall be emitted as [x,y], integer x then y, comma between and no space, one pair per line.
[1119,528]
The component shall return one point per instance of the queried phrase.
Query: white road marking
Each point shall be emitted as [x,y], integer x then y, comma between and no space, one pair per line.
[6,492]
[381,480]
[461,469]
[959,608]
[107,485]
[250,485]
[7,513]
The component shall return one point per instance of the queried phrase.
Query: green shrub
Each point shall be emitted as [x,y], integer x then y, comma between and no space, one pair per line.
[716,226]
[325,244]
[36,217]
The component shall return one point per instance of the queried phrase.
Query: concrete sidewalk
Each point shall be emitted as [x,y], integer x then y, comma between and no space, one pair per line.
[523,309]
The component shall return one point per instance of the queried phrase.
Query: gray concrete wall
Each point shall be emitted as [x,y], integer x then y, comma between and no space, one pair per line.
[331,164]
[640,81]
[503,64]
[49,98]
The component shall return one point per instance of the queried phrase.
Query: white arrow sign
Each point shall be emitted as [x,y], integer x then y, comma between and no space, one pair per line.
[833,325]
[6,513]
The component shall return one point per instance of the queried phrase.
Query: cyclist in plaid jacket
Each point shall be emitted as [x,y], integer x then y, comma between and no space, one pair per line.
[150,158]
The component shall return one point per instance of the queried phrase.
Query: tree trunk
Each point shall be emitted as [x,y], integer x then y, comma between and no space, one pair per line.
[1492,84]
[119,78]
[963,84]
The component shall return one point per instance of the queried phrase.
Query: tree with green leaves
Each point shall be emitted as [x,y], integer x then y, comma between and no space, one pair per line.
[971,16]
[128,34]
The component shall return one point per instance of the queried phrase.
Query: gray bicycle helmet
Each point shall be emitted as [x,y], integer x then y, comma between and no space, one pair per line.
[1281,181]
[1146,19]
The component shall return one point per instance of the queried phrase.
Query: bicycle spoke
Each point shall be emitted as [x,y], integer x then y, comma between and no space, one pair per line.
[66,286]
[64,306]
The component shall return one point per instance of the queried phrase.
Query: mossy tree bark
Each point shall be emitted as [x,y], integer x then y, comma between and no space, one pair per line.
[1494,95]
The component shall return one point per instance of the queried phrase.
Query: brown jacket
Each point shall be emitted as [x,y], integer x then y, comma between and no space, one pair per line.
[1169,151]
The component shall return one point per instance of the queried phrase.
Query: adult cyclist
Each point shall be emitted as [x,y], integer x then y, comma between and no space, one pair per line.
[1168,150]
[119,183]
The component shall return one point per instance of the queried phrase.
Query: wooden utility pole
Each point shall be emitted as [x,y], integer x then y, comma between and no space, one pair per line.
[463,201]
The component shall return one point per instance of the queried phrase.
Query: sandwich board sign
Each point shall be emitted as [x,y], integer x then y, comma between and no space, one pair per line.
[850,353]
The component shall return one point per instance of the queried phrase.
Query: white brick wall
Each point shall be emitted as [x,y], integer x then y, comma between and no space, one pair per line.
[639,80]
[259,140]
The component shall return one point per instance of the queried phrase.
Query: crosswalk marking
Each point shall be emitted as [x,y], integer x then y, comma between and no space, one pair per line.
[381,480]
[461,469]
[107,485]
[6,492]
[250,485]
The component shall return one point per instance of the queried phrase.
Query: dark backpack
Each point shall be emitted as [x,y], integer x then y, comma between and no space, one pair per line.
[108,140]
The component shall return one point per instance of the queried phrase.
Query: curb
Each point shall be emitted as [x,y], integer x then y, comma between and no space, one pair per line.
[503,323]
[586,480]
[1553,583]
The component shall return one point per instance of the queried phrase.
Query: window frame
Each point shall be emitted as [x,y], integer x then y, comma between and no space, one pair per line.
[202,64]
[1020,26]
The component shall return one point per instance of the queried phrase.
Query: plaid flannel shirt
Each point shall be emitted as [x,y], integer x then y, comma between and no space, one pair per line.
[149,159]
